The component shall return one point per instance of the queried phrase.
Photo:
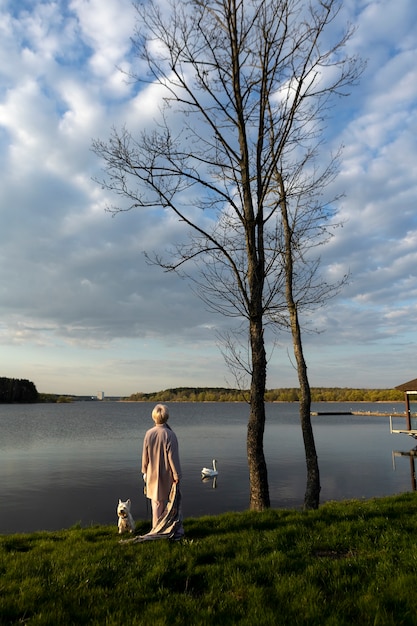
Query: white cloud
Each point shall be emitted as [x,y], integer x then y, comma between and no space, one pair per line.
[81,310]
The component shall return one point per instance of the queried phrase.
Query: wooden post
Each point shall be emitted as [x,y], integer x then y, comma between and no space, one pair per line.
[407,411]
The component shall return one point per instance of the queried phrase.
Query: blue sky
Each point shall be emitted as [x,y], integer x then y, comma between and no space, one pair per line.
[81,311]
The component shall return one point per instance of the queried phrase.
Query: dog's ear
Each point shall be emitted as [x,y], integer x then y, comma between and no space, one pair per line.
[128,501]
[120,501]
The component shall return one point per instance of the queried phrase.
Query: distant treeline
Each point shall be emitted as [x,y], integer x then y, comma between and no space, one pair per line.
[220,394]
[17,390]
[55,398]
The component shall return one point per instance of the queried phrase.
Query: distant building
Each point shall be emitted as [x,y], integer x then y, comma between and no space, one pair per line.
[100,395]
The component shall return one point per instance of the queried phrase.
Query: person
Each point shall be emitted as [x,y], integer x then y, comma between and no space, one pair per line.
[161,467]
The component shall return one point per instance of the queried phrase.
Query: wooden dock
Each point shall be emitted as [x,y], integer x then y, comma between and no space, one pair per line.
[373,413]
[331,413]
[402,431]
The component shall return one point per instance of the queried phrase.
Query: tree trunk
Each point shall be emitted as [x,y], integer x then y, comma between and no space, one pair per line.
[312,493]
[259,490]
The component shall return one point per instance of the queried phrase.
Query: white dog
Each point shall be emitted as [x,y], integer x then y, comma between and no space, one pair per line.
[125,522]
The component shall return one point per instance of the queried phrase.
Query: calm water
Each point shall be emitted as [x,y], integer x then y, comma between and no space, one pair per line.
[62,464]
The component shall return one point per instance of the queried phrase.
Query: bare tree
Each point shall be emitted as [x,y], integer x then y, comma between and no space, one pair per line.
[251,82]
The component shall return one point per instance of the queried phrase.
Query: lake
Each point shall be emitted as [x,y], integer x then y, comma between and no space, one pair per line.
[64,464]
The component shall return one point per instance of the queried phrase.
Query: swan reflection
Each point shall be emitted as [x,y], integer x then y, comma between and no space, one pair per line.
[207,479]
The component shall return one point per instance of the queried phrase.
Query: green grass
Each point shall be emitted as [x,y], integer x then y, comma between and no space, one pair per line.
[349,562]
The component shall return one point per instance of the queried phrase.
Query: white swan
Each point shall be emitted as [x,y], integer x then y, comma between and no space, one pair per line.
[206,472]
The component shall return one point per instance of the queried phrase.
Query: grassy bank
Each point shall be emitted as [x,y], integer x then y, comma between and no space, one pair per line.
[347,563]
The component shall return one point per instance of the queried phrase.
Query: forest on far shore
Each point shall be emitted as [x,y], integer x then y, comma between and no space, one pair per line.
[290,394]
[17,390]
[21,390]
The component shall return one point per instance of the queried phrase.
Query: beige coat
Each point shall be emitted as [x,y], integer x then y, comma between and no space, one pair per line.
[160,461]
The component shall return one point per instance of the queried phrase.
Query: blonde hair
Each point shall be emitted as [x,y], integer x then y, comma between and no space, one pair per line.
[160,414]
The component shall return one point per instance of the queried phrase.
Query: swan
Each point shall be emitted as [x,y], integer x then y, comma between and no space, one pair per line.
[208,472]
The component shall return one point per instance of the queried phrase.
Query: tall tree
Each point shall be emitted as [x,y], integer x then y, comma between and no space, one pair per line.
[252,82]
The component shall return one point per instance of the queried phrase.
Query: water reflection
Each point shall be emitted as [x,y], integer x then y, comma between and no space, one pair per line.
[67,464]
[211,480]
[412,455]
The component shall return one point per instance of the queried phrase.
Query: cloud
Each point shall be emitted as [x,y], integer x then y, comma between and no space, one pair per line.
[79,306]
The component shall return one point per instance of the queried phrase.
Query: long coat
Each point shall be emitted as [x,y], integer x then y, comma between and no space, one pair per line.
[160,461]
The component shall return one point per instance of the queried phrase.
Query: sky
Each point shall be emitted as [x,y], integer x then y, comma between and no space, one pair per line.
[80,309]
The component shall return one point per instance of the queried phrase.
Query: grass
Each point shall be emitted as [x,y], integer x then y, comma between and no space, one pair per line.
[352,562]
